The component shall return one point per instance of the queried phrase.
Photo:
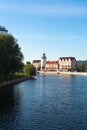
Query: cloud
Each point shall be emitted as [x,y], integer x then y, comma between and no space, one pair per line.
[51,10]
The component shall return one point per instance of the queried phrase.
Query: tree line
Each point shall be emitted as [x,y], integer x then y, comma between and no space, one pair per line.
[82,65]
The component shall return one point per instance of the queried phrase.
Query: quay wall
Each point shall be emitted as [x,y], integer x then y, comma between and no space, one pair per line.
[62,73]
[14,81]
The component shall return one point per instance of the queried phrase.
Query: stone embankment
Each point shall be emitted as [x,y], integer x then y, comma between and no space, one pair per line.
[74,73]
[14,81]
[63,73]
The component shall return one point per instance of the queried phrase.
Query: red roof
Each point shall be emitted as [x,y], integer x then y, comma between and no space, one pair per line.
[52,62]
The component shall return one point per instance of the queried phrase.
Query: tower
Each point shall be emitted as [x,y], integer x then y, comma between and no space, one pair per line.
[43,61]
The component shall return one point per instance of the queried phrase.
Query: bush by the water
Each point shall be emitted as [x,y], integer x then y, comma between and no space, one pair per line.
[29,69]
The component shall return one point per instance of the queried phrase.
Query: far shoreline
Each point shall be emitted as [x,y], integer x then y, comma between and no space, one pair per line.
[62,73]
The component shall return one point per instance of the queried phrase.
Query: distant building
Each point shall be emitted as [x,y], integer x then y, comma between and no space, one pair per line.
[43,61]
[63,64]
[67,64]
[52,65]
[37,64]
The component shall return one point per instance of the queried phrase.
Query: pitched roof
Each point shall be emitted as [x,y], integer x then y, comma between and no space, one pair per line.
[67,58]
[52,62]
[36,61]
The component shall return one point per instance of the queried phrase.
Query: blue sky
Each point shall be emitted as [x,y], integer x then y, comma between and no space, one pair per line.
[55,27]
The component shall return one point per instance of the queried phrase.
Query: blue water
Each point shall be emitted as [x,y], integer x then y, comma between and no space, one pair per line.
[47,103]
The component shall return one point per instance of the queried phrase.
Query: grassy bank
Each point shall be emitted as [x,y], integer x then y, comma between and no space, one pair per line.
[12,76]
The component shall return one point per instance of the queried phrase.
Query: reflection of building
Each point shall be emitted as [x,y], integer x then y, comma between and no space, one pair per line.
[52,65]
[63,64]
[67,64]
[37,64]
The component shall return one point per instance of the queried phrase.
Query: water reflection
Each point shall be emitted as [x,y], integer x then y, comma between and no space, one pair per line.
[8,106]
[42,84]
[6,96]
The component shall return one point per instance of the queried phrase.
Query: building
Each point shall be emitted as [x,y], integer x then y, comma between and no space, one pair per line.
[67,64]
[52,65]
[43,61]
[37,64]
[63,64]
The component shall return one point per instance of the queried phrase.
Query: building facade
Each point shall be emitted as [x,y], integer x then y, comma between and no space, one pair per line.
[63,64]
[37,64]
[67,64]
[52,65]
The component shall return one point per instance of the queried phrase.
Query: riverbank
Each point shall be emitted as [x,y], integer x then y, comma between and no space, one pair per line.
[62,73]
[15,81]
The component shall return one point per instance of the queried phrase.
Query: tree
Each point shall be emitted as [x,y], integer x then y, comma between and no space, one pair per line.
[28,62]
[10,55]
[29,69]
[81,67]
[3,29]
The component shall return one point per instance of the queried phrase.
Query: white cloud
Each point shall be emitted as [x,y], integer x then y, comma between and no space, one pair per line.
[45,9]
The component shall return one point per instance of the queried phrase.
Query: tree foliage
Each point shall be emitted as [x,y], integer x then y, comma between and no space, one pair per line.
[10,55]
[29,69]
[81,67]
[28,62]
[3,29]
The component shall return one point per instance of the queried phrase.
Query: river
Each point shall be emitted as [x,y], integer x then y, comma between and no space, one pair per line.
[47,103]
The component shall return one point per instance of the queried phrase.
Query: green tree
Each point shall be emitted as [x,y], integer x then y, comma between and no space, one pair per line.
[29,69]
[81,67]
[28,62]
[11,56]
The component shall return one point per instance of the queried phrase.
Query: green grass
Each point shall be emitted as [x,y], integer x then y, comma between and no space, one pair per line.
[13,76]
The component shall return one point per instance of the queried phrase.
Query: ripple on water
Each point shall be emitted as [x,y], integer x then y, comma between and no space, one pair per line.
[47,103]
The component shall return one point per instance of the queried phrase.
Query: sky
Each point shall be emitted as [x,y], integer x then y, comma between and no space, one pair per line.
[55,27]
